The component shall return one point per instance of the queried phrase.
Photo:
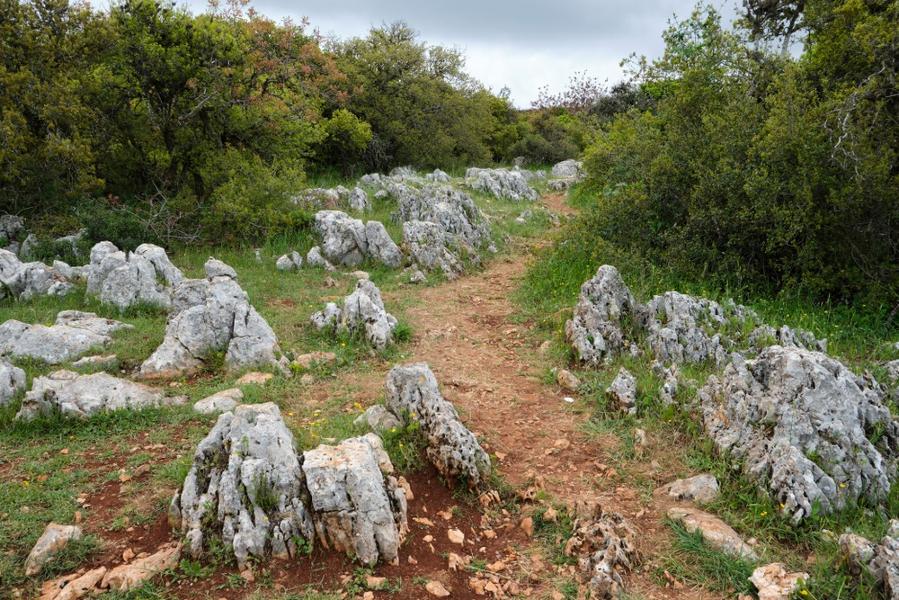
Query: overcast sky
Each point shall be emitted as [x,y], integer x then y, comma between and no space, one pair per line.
[522,44]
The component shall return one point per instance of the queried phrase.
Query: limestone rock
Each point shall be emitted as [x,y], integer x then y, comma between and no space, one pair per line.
[100,362]
[315,259]
[246,483]
[857,551]
[219,402]
[378,419]
[130,576]
[72,587]
[438,176]
[774,582]
[568,380]
[81,396]
[622,392]
[310,359]
[381,247]
[12,381]
[362,313]
[358,506]
[27,280]
[454,212]
[54,538]
[412,392]
[358,200]
[700,488]
[501,183]
[605,304]
[144,276]
[428,247]
[880,560]
[291,261]
[216,316]
[803,426]
[715,532]
[343,238]
[73,334]
[605,544]
[568,169]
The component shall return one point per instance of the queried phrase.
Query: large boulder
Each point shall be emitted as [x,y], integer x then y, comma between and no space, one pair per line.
[412,392]
[144,276]
[452,210]
[362,314]
[805,427]
[568,169]
[501,183]
[428,247]
[381,247]
[246,486]
[358,506]
[12,381]
[343,237]
[75,395]
[74,334]
[27,280]
[215,315]
[250,487]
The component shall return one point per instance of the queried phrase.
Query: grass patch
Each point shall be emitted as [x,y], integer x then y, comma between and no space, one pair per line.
[695,562]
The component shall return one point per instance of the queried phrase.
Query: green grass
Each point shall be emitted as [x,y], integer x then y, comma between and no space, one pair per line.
[695,562]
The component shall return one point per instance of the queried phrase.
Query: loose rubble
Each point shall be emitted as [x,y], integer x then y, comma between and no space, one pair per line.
[412,392]
[27,280]
[804,426]
[362,313]
[80,396]
[774,582]
[212,315]
[606,546]
[267,497]
[73,334]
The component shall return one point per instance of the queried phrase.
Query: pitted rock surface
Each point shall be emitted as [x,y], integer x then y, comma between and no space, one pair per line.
[121,279]
[501,183]
[362,313]
[568,169]
[343,238]
[74,334]
[412,392]
[428,247]
[12,381]
[357,504]
[803,426]
[452,210]
[215,315]
[622,392]
[27,280]
[76,395]
[605,544]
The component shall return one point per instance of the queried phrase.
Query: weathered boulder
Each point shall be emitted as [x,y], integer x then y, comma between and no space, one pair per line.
[622,392]
[28,280]
[129,576]
[381,247]
[246,485]
[315,259]
[358,200]
[54,538]
[605,307]
[715,532]
[501,183]
[412,392]
[700,488]
[215,315]
[219,402]
[452,210]
[805,427]
[362,313]
[438,176]
[144,276]
[568,169]
[774,582]
[99,362]
[12,381]
[880,560]
[249,485]
[378,419]
[343,237]
[75,395]
[428,248]
[292,261]
[605,544]
[73,334]
[357,504]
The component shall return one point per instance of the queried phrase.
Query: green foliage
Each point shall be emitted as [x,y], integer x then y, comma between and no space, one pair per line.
[346,139]
[405,445]
[758,170]
[696,562]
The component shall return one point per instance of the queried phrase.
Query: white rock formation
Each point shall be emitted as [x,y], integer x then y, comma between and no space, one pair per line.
[315,259]
[348,242]
[219,402]
[144,276]
[452,210]
[292,261]
[429,248]
[715,532]
[214,315]
[568,169]
[12,381]
[412,392]
[54,538]
[501,183]
[27,280]
[362,314]
[699,488]
[75,395]
[622,392]
[805,427]
[73,334]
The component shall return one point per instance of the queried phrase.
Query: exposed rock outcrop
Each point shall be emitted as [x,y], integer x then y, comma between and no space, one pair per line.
[362,313]
[715,532]
[73,334]
[213,315]
[12,381]
[27,280]
[75,395]
[292,261]
[568,169]
[880,560]
[622,392]
[249,485]
[805,427]
[144,276]
[501,183]
[429,248]
[452,210]
[412,392]
[348,242]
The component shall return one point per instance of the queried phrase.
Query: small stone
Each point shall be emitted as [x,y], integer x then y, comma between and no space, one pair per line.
[375,583]
[550,515]
[54,538]
[219,402]
[127,555]
[254,378]
[132,575]
[359,274]
[775,583]
[455,536]
[308,360]
[622,392]
[568,380]
[701,488]
[715,532]
[437,589]
[544,348]
[527,525]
